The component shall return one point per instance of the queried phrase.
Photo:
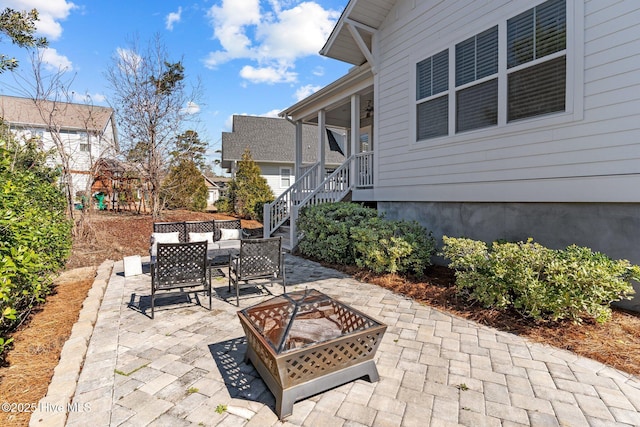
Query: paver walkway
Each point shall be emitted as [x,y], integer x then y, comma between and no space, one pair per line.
[435,369]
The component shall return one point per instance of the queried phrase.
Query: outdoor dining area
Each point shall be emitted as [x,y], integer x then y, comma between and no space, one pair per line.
[300,342]
[188,253]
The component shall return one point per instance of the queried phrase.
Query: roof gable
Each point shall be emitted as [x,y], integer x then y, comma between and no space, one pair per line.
[359,20]
[271,140]
[70,116]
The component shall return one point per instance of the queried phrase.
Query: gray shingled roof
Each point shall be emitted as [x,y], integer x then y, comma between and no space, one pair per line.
[272,140]
[23,112]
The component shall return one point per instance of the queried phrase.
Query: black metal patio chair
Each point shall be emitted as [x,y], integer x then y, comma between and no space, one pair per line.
[179,266]
[257,259]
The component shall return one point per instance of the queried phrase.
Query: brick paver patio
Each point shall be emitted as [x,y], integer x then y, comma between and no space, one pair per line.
[185,368]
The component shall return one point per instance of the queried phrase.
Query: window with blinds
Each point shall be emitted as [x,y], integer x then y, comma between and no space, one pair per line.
[477,60]
[534,67]
[432,84]
[536,57]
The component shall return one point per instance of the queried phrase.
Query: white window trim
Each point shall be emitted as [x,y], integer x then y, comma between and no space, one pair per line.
[574,96]
[282,169]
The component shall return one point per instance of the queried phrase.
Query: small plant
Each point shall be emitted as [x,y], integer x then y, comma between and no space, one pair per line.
[462,387]
[221,408]
[385,246]
[127,374]
[192,390]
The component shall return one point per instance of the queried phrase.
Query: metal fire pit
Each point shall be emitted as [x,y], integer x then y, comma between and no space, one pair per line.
[305,342]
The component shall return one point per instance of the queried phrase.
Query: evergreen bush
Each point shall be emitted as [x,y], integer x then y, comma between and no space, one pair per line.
[248,191]
[326,230]
[540,283]
[348,234]
[35,235]
[385,246]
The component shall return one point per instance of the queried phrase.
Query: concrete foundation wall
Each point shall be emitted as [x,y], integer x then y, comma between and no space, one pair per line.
[610,228]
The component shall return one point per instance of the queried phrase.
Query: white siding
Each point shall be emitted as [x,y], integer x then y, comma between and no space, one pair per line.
[271,172]
[591,154]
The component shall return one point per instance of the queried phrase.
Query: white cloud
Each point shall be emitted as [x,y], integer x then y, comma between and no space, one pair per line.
[296,32]
[268,75]
[128,60]
[318,71]
[172,18]
[87,98]
[192,108]
[53,61]
[274,37]
[305,91]
[272,113]
[50,12]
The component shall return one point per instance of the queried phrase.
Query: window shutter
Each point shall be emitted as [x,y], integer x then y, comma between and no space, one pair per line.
[548,21]
[432,75]
[537,90]
[433,118]
[477,106]
[477,57]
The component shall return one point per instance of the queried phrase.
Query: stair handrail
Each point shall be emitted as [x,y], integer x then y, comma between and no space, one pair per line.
[278,212]
[332,189]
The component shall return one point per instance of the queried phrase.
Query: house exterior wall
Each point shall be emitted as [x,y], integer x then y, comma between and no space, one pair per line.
[271,172]
[83,150]
[589,154]
[569,177]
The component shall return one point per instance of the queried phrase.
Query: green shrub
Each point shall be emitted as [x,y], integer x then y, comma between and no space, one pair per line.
[35,238]
[326,230]
[249,190]
[384,246]
[538,282]
[348,233]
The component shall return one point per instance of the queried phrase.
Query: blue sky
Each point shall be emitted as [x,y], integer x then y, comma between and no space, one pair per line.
[253,57]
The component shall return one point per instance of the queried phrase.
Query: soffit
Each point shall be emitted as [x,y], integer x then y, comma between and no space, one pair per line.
[365,16]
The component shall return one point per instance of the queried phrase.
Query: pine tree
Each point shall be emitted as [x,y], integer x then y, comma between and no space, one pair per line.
[249,191]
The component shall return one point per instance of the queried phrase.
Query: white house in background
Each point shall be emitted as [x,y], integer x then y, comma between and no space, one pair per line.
[501,119]
[271,143]
[88,132]
[216,186]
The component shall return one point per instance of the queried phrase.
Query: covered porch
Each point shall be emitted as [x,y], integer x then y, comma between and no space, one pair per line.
[343,113]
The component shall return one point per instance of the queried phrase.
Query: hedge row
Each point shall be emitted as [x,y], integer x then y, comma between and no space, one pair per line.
[35,235]
[537,282]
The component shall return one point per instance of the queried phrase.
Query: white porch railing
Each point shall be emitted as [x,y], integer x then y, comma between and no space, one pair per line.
[356,171]
[277,212]
[364,170]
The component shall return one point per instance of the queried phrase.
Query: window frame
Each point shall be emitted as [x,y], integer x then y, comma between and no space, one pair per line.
[574,88]
[282,169]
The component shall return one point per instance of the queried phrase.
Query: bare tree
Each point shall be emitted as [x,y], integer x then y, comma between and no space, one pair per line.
[152,105]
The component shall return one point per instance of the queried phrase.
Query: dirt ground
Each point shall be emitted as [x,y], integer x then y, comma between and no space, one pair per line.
[37,345]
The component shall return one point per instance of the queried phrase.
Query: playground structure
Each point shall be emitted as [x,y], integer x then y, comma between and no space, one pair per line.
[119,187]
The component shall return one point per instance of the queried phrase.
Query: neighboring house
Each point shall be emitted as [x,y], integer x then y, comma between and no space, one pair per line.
[87,132]
[216,186]
[496,119]
[271,143]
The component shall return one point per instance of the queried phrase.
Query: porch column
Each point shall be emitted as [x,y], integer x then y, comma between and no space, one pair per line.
[322,137]
[298,149]
[355,124]
[355,138]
